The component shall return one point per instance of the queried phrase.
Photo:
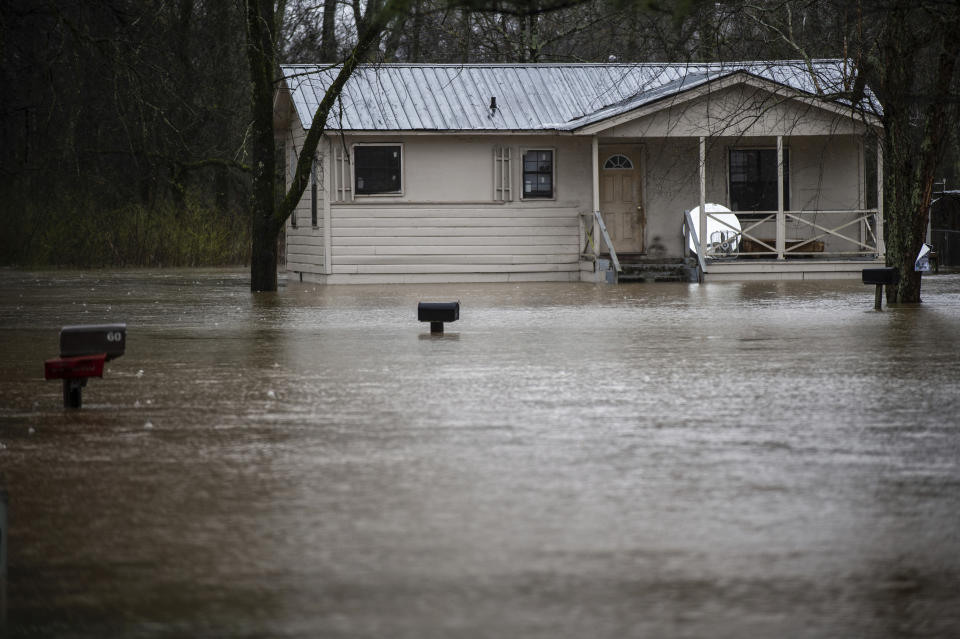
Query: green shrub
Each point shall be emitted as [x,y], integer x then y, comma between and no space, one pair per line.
[78,233]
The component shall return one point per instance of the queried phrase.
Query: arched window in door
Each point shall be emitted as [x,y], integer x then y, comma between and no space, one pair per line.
[618,161]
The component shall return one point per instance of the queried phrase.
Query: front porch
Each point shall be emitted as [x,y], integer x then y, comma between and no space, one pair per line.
[791,172]
[807,242]
[823,244]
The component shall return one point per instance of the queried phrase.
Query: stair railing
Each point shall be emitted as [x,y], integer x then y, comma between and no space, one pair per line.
[606,238]
[692,231]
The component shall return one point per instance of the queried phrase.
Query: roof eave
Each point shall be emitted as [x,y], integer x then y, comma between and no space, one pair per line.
[410,132]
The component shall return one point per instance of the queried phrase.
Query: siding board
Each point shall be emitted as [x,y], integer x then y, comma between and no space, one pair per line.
[478,262]
[391,239]
[455,268]
[343,233]
[523,239]
[386,251]
[570,221]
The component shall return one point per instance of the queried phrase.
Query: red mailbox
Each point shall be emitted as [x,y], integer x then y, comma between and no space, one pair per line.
[83,352]
[75,367]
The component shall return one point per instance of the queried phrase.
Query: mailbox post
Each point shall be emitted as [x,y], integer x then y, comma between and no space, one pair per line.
[885,276]
[4,536]
[83,352]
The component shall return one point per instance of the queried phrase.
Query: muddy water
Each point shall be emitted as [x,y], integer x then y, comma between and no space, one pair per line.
[724,460]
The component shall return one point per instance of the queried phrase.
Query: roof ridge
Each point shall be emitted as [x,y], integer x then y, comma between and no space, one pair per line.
[714,63]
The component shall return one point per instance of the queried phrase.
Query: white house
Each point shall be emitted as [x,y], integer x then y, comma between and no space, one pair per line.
[493,172]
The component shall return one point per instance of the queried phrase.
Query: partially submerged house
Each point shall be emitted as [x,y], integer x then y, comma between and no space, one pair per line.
[504,172]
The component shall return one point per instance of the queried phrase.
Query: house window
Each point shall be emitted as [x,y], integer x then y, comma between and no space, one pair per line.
[753,180]
[377,168]
[618,162]
[538,174]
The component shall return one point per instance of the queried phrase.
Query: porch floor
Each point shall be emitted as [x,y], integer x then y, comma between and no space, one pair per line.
[792,269]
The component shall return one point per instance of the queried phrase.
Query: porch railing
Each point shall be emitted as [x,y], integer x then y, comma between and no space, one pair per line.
[593,229]
[800,234]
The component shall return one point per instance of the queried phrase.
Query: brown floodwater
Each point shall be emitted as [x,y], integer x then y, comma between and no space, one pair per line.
[567,461]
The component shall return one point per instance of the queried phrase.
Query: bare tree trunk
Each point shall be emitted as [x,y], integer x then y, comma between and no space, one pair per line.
[911,163]
[265,227]
[466,35]
[532,44]
[268,217]
[328,34]
[416,51]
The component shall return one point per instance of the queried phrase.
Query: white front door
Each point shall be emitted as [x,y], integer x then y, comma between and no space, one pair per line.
[621,201]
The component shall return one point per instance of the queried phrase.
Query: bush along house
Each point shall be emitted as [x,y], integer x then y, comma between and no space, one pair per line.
[583,172]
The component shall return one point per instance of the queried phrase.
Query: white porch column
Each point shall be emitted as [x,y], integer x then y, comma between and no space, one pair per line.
[703,197]
[595,160]
[881,245]
[781,218]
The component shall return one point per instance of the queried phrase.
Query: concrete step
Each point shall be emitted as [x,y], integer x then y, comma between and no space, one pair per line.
[656,276]
[658,270]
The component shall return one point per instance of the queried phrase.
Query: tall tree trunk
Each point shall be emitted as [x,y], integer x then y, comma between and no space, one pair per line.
[416,50]
[261,53]
[533,35]
[328,34]
[911,160]
[466,35]
[268,217]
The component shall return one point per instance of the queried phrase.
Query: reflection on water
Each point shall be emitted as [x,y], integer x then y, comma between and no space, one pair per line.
[568,460]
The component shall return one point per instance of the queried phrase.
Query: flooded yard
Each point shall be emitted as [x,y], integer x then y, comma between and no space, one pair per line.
[567,461]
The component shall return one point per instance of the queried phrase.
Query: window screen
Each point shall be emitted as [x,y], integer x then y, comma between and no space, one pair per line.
[377,169]
[753,180]
[538,174]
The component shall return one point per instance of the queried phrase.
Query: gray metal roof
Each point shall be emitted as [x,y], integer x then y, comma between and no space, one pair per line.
[530,97]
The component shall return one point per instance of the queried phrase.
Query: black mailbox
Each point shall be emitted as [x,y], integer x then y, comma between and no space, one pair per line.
[884,276]
[109,339]
[437,313]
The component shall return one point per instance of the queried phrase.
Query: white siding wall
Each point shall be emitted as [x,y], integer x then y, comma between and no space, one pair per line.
[305,241]
[446,226]
[456,241]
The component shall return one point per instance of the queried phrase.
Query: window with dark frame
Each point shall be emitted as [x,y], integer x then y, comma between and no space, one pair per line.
[377,169]
[538,174]
[618,161]
[753,181]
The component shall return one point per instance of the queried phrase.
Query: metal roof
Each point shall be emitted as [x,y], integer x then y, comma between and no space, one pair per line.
[530,97]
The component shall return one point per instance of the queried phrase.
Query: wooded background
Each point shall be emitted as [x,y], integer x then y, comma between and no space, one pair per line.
[124,137]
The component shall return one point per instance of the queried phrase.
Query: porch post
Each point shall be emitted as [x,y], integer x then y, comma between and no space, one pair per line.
[881,245]
[595,160]
[781,218]
[703,197]
[328,192]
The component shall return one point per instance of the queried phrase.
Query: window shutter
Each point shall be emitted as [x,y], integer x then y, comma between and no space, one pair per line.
[291,171]
[342,188]
[313,191]
[502,174]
